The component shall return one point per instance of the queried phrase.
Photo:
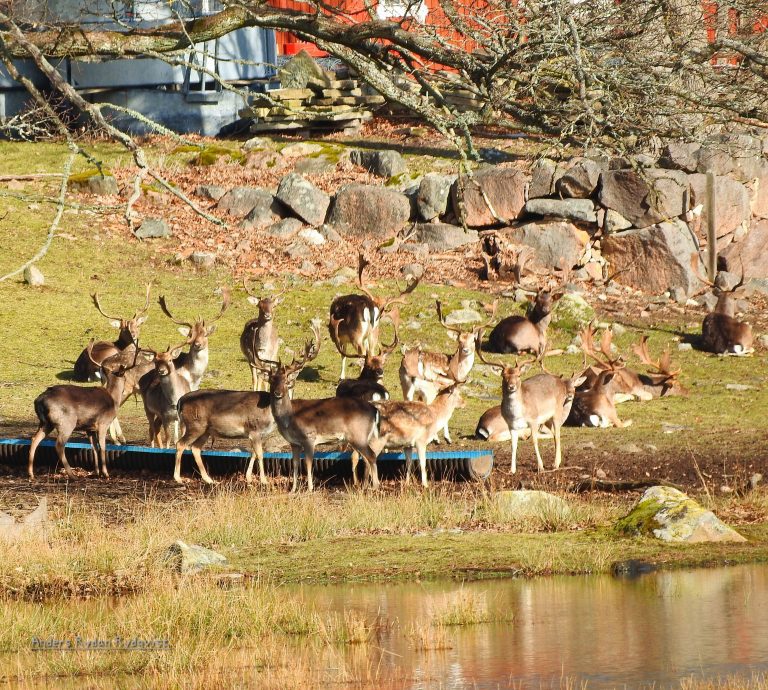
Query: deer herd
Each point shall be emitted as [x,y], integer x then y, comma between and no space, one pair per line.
[361,414]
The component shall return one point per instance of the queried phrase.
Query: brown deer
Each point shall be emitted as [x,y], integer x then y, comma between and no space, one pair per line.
[368,385]
[409,425]
[161,390]
[542,399]
[721,332]
[517,334]
[259,340]
[424,374]
[192,365]
[359,316]
[67,408]
[87,366]
[492,427]
[307,423]
[212,414]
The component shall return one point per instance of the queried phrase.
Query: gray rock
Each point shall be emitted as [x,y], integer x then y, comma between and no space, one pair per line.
[203,259]
[750,253]
[191,558]
[707,300]
[737,156]
[364,209]
[763,341]
[679,295]
[300,71]
[493,196]
[672,516]
[580,180]
[344,276]
[570,209]
[329,233]
[152,227]
[544,175]
[738,387]
[732,207]
[285,228]
[307,201]
[298,250]
[645,199]
[381,163]
[412,271]
[552,240]
[680,155]
[525,503]
[460,316]
[653,259]
[615,222]
[210,191]
[239,201]
[315,165]
[33,276]
[442,237]
[257,143]
[301,149]
[432,196]
[312,236]
[572,307]
[97,184]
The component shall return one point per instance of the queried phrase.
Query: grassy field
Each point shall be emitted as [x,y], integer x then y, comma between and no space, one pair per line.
[101,545]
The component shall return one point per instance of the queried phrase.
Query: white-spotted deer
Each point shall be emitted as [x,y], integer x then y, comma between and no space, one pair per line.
[259,339]
[517,334]
[213,414]
[307,423]
[192,365]
[87,366]
[161,390]
[359,316]
[424,374]
[542,399]
[408,425]
[368,385]
[67,408]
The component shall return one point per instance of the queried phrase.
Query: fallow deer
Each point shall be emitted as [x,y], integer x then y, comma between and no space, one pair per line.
[161,390]
[409,425]
[368,385]
[192,365]
[359,316]
[492,427]
[424,374]
[87,367]
[541,399]
[259,338]
[517,334]
[212,414]
[67,408]
[721,332]
[307,423]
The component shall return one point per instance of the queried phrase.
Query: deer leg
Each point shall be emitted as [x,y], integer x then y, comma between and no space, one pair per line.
[354,459]
[558,447]
[198,456]
[95,453]
[180,448]
[61,441]
[513,466]
[40,434]
[296,453]
[343,366]
[535,439]
[408,460]
[613,418]
[256,452]
[116,432]
[102,441]
[371,469]
[421,449]
[309,456]
[446,434]
[254,379]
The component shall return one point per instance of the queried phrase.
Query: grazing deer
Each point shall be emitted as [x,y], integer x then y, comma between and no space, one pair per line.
[67,408]
[541,399]
[307,423]
[224,414]
[409,424]
[424,374]
[161,390]
[721,332]
[192,365]
[87,366]
[359,316]
[517,334]
[368,385]
[662,381]
[259,340]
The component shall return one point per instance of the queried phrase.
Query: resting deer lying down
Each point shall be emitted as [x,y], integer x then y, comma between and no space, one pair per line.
[721,332]
[492,427]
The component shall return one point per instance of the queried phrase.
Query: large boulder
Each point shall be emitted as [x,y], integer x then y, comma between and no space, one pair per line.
[492,196]
[672,516]
[749,253]
[736,155]
[239,201]
[191,558]
[433,194]
[527,503]
[580,180]
[759,193]
[732,207]
[300,70]
[645,198]
[581,210]
[551,240]
[544,175]
[653,259]
[385,163]
[307,201]
[365,209]
[680,155]
[442,237]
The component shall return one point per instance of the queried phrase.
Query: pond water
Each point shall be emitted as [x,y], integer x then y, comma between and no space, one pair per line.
[602,632]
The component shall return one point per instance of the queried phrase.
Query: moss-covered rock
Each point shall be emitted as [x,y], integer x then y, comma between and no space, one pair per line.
[671,515]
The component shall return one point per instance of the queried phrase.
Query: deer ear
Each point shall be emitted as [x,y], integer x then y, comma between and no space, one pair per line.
[211,330]
[607,378]
[141,320]
[577,382]
[115,323]
[175,352]
[253,300]
[184,330]
[148,356]
[525,367]
[453,335]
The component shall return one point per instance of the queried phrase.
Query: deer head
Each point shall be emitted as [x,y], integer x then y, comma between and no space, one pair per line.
[129,328]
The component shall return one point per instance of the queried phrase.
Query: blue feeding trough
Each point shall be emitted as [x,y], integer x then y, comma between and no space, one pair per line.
[472,465]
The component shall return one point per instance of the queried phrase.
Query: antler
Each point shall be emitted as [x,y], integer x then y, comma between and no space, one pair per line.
[587,335]
[146,304]
[311,348]
[394,317]
[334,325]
[441,318]
[362,264]
[164,307]
[663,365]
[479,353]
[225,297]
[95,298]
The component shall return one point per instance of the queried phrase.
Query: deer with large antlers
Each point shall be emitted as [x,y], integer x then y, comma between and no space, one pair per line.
[87,367]
[259,340]
[307,423]
[721,332]
[161,390]
[192,365]
[424,374]
[67,408]
[517,334]
[212,414]
[543,399]
[368,385]
[359,316]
